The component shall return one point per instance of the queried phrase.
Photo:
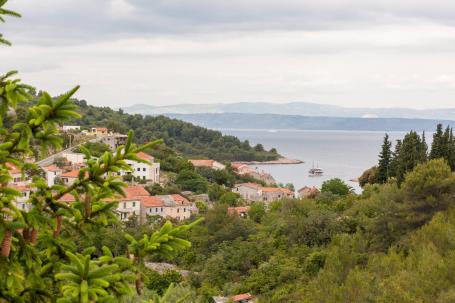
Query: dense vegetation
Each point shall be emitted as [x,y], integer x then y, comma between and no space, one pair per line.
[186,138]
[390,244]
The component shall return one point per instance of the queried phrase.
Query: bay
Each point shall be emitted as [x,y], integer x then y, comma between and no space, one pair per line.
[341,154]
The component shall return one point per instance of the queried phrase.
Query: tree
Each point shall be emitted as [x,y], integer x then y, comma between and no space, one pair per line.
[385,158]
[37,261]
[437,146]
[336,186]
[369,176]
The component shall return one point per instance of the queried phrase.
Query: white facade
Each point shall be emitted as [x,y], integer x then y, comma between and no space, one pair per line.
[74,157]
[70,127]
[248,191]
[143,171]
[128,208]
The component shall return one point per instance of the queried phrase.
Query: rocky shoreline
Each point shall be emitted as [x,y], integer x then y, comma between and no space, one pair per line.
[278,161]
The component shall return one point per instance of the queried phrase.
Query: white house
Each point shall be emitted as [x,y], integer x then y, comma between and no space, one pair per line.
[74,158]
[52,171]
[130,205]
[114,140]
[68,178]
[144,171]
[22,202]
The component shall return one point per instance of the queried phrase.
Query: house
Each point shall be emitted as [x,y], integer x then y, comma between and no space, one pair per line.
[307,192]
[248,191]
[243,298]
[276,193]
[17,177]
[99,131]
[167,206]
[143,171]
[255,192]
[67,128]
[114,140]
[245,170]
[241,169]
[241,211]
[74,158]
[130,205]
[208,163]
[263,176]
[68,178]
[22,202]
[52,171]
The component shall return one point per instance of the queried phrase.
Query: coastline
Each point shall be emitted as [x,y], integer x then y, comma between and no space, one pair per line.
[282,160]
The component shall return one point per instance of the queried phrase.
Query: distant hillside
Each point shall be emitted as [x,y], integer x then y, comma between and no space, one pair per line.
[270,121]
[294,108]
[186,138]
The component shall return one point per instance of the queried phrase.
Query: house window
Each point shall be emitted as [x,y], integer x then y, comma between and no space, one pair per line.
[143,169]
[161,209]
[138,169]
[184,209]
[124,204]
[178,210]
[143,177]
[119,173]
[150,210]
[156,209]
[134,204]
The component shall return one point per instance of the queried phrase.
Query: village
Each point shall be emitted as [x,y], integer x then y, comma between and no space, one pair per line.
[64,168]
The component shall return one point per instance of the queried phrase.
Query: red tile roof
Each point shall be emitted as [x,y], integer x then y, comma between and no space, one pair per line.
[277,189]
[67,198]
[202,163]
[238,210]
[145,156]
[71,174]
[241,297]
[181,200]
[52,167]
[133,192]
[152,201]
[12,168]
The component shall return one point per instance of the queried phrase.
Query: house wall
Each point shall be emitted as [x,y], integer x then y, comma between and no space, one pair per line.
[248,193]
[127,208]
[50,177]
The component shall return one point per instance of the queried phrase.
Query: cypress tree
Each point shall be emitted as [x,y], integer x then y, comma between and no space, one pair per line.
[385,158]
[437,145]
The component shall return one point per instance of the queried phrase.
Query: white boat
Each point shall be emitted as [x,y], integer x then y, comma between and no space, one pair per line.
[315,171]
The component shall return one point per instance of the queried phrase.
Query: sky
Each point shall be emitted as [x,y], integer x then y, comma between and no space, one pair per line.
[375,53]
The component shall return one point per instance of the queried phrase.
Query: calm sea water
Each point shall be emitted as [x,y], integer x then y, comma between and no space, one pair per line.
[342,154]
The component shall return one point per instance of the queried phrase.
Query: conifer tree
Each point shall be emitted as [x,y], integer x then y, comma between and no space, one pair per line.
[39,260]
[437,146]
[385,158]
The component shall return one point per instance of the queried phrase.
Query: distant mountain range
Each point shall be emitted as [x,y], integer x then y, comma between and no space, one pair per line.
[294,108]
[273,121]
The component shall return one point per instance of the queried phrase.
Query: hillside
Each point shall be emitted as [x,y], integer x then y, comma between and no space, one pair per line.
[273,121]
[294,108]
[186,138]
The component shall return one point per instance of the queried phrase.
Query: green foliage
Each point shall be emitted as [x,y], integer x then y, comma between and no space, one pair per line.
[161,282]
[369,176]
[97,149]
[385,159]
[190,180]
[336,186]
[186,138]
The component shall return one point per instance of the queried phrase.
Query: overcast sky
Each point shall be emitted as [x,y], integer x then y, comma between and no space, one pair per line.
[375,53]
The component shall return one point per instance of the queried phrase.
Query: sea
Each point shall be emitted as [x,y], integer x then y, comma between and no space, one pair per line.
[341,154]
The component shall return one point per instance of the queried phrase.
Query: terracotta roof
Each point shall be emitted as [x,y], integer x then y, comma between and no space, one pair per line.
[133,192]
[67,198]
[180,199]
[202,163]
[241,297]
[52,167]
[12,168]
[309,189]
[250,184]
[20,187]
[152,201]
[277,189]
[71,174]
[145,156]
[238,210]
[100,128]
